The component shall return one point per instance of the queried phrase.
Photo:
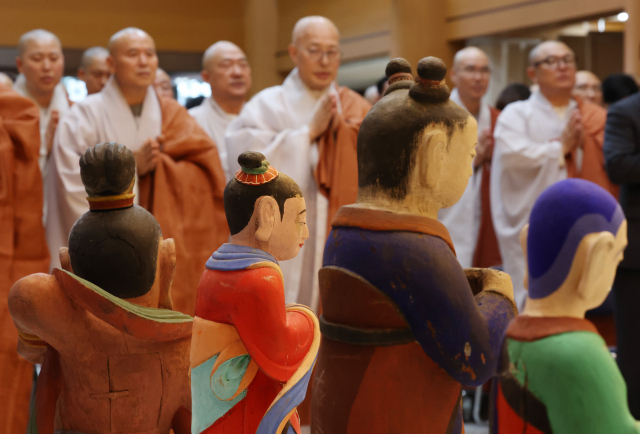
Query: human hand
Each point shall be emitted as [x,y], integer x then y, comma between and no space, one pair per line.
[573,133]
[484,148]
[51,130]
[147,156]
[321,120]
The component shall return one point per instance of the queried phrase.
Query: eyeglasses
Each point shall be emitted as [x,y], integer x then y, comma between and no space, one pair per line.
[316,54]
[485,71]
[554,61]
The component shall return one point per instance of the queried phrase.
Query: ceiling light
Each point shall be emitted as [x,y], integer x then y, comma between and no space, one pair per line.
[623,16]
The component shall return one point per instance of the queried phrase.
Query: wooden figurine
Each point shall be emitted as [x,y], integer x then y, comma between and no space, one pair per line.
[114,357]
[557,376]
[403,326]
[252,357]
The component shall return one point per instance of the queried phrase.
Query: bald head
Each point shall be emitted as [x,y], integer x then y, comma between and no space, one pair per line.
[162,84]
[226,69]
[311,25]
[92,54]
[133,61]
[218,50]
[553,69]
[542,50]
[5,80]
[315,50]
[588,87]
[93,69]
[37,36]
[470,74]
[125,35]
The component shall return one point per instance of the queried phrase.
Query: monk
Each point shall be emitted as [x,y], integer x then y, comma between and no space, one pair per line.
[469,221]
[307,127]
[588,87]
[41,64]
[180,177]
[115,357]
[538,142]
[226,69]
[93,69]
[23,248]
[162,84]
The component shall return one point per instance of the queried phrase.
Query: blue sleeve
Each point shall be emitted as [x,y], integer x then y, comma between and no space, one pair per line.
[459,331]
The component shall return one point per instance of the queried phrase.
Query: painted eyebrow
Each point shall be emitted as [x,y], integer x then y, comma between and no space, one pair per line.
[304,210]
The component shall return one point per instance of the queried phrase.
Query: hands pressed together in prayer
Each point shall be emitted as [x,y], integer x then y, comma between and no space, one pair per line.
[573,134]
[51,130]
[147,156]
[484,149]
[325,115]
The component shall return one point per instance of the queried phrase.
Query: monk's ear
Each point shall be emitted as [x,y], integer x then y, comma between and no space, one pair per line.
[267,211]
[65,259]
[111,64]
[205,75]
[598,248]
[435,144]
[524,236]
[19,64]
[531,73]
[293,53]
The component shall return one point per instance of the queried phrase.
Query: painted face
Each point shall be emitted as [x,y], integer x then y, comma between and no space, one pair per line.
[458,163]
[317,56]
[135,60]
[229,73]
[96,75]
[290,234]
[42,64]
[471,75]
[610,265]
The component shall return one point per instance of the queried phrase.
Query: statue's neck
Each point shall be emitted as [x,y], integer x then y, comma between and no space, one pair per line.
[409,205]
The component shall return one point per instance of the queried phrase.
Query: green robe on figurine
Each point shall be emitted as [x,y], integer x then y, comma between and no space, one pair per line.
[557,375]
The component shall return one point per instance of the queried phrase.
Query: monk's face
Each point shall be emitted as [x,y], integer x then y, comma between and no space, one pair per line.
[228,73]
[133,60]
[95,76]
[554,68]
[588,87]
[42,64]
[458,163]
[162,84]
[471,75]
[289,235]
[316,54]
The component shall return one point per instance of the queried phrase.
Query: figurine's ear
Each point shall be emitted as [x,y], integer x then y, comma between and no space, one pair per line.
[267,211]
[599,247]
[165,272]
[435,144]
[524,235]
[65,259]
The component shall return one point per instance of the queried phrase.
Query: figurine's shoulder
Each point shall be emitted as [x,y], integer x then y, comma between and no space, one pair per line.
[35,291]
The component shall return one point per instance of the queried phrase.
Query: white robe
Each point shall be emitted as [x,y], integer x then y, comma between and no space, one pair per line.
[59,102]
[527,159]
[101,117]
[462,220]
[214,121]
[275,123]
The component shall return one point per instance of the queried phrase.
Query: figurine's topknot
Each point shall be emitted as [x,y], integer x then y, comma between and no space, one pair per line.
[398,72]
[430,86]
[251,160]
[107,169]
[255,169]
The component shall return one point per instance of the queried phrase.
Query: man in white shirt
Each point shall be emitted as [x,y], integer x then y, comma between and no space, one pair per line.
[41,64]
[532,138]
[470,74]
[226,69]
[290,124]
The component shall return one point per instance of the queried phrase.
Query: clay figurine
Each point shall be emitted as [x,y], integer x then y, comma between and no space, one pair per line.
[403,326]
[557,376]
[252,357]
[114,357]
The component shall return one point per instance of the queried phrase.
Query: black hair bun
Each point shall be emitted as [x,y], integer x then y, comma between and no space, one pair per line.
[251,160]
[397,65]
[432,68]
[430,86]
[107,169]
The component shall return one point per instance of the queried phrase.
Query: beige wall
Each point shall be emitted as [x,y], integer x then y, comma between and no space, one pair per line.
[183,25]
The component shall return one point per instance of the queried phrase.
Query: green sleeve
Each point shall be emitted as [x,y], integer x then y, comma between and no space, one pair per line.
[580,384]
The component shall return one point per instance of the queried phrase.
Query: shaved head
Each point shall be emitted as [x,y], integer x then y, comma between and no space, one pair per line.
[306,25]
[93,53]
[539,52]
[36,35]
[216,50]
[118,37]
[469,53]
[588,87]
